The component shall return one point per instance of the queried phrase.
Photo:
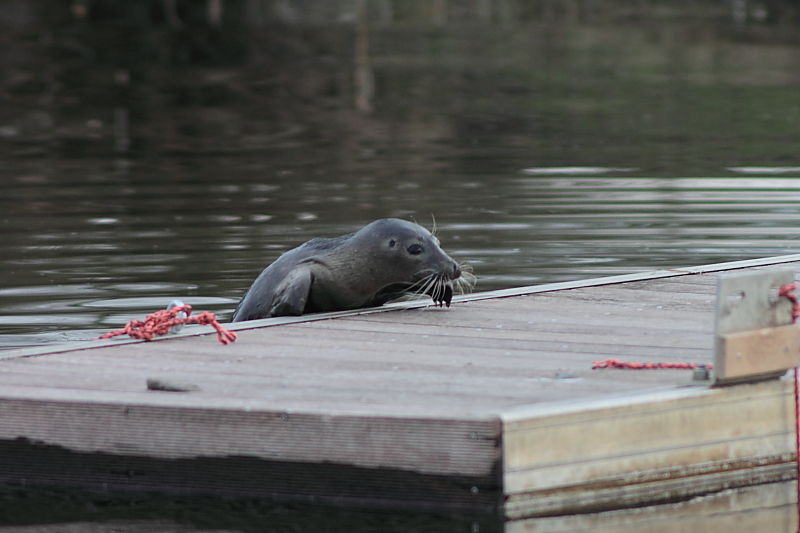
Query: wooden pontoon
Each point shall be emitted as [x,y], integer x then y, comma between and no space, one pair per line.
[491,406]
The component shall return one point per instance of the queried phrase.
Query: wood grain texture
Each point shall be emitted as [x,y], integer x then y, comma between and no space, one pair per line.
[758,352]
[683,440]
[770,507]
[502,381]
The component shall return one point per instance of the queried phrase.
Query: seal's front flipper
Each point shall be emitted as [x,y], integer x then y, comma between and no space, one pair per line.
[441,293]
[292,294]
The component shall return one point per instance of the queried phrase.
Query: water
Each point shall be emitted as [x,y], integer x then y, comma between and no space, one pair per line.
[143,161]
[543,151]
[88,248]
[769,507]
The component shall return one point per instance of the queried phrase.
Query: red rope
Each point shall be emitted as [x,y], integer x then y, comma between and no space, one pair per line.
[160,322]
[787,291]
[797,439]
[626,365]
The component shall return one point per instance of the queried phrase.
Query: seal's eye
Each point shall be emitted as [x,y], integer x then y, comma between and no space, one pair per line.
[392,243]
[415,249]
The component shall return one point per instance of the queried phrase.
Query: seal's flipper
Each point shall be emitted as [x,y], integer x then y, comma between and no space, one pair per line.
[447,297]
[292,294]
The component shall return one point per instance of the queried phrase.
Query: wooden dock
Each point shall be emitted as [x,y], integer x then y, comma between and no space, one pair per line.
[488,406]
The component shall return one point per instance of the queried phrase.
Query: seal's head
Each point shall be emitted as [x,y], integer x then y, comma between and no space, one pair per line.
[411,262]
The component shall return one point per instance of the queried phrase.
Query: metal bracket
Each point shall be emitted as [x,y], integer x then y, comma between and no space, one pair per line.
[754,337]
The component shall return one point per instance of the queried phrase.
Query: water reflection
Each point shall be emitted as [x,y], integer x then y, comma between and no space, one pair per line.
[149,155]
[30,510]
[768,507]
[172,154]
[205,243]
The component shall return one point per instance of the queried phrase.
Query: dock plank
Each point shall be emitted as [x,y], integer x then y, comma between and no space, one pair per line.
[493,394]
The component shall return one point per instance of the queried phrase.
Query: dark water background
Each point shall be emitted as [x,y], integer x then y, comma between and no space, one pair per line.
[145,160]
[148,154]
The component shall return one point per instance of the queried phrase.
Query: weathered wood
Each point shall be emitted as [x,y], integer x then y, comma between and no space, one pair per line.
[755,353]
[495,393]
[749,300]
[632,450]
[753,335]
[150,429]
[770,507]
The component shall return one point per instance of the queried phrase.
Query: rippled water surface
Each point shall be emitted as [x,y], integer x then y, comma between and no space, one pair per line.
[173,152]
[545,152]
[88,249]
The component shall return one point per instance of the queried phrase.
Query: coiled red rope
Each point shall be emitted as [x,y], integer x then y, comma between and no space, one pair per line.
[160,322]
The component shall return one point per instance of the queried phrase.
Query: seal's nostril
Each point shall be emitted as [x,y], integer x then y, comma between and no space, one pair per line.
[456,271]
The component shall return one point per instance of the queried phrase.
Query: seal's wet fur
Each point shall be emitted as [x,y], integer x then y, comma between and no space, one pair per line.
[383,261]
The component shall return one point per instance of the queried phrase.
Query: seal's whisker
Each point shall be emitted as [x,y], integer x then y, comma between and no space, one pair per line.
[436,284]
[420,288]
[466,282]
[430,288]
[437,291]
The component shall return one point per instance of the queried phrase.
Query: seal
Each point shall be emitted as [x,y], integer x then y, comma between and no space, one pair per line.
[385,260]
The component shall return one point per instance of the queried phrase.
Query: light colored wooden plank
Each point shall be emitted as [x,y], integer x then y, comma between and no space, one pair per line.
[541,312]
[753,353]
[744,300]
[658,274]
[692,432]
[432,445]
[439,388]
[545,418]
[660,488]
[762,508]
[699,283]
[504,335]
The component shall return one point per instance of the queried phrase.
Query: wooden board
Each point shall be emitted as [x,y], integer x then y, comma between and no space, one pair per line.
[496,394]
[667,446]
[762,508]
[751,354]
